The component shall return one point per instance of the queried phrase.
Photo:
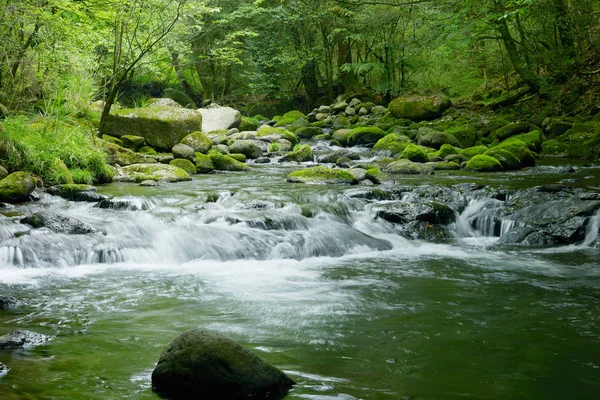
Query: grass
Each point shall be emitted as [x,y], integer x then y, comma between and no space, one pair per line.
[46,145]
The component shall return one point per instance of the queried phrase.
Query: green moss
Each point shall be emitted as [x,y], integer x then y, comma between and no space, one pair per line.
[289,118]
[148,151]
[367,135]
[391,144]
[446,150]
[465,134]
[301,153]
[112,139]
[533,139]
[519,149]
[407,167]
[58,173]
[419,108]
[483,163]
[285,134]
[223,162]
[322,137]
[374,175]
[179,97]
[308,132]
[507,159]
[470,152]
[184,164]
[153,172]
[445,166]
[203,163]
[198,141]
[71,190]
[341,136]
[554,148]
[435,139]
[238,156]
[132,141]
[509,130]
[17,187]
[415,153]
[249,124]
[322,175]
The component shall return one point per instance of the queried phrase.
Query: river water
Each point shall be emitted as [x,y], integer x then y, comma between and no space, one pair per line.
[310,280]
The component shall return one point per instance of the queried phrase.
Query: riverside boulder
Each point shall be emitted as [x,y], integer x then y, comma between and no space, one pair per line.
[17,187]
[154,172]
[215,117]
[202,364]
[419,108]
[161,126]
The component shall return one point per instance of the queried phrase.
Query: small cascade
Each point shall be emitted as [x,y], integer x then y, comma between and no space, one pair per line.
[592,230]
[482,218]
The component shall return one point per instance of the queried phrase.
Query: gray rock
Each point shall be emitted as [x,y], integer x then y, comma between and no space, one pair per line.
[363,111]
[401,212]
[321,116]
[246,147]
[333,157]
[58,224]
[339,107]
[324,109]
[201,364]
[350,111]
[184,151]
[215,117]
[155,172]
[17,187]
[359,173]
[355,102]
[232,131]
[8,302]
[19,339]
[76,192]
[149,183]
[378,110]
[223,149]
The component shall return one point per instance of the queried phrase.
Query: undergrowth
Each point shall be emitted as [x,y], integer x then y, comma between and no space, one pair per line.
[59,151]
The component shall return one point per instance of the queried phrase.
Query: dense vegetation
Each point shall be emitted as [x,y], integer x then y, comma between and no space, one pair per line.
[58,56]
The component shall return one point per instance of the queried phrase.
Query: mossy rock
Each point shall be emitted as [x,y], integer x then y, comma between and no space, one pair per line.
[419,108]
[465,134]
[533,140]
[519,149]
[266,130]
[483,163]
[246,147]
[322,137]
[289,118]
[340,121]
[365,135]
[470,152]
[446,150]
[431,138]
[374,175]
[76,192]
[280,145]
[249,124]
[180,97]
[322,175]
[508,160]
[132,142]
[308,132]
[512,129]
[161,126]
[584,145]
[17,187]
[415,153]
[223,162]
[184,164]
[198,141]
[204,164]
[148,151]
[58,173]
[391,145]
[445,166]
[261,117]
[554,148]
[301,153]
[299,123]
[407,167]
[154,172]
[112,139]
[341,136]
[238,156]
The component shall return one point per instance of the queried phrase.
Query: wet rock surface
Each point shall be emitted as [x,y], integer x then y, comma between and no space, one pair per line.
[19,339]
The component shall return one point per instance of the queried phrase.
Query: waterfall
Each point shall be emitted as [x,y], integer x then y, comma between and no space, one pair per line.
[591,231]
[481,218]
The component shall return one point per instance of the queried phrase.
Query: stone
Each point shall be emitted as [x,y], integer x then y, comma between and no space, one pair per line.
[468,153]
[368,136]
[359,173]
[341,135]
[391,145]
[511,129]
[280,145]
[302,153]
[202,364]
[465,134]
[17,187]
[432,138]
[8,302]
[414,153]
[308,132]
[248,148]
[204,164]
[334,156]
[76,192]
[419,108]
[20,339]
[161,126]
[401,212]
[350,111]
[58,224]
[198,141]
[149,183]
[215,117]
[322,175]
[184,164]
[186,152]
[483,163]
[407,167]
[154,172]
[249,124]
[122,156]
[222,162]
[132,142]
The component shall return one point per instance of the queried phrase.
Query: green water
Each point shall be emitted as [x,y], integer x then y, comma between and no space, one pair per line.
[419,321]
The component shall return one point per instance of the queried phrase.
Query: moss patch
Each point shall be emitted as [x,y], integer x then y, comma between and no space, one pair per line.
[184,164]
[322,175]
[415,153]
[483,163]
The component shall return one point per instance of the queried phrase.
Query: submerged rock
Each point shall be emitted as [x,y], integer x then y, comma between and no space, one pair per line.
[75,192]
[201,364]
[58,224]
[19,339]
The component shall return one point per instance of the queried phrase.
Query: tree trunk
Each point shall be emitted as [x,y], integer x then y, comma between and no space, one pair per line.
[309,79]
[348,78]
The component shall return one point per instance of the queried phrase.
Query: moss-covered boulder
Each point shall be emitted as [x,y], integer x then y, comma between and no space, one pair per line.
[17,187]
[112,139]
[391,145]
[181,150]
[161,126]
[415,153]
[122,156]
[465,134]
[299,123]
[483,163]
[290,117]
[198,141]
[3,172]
[148,151]
[238,156]
[200,364]
[132,142]
[76,192]
[533,140]
[223,162]
[419,108]
[470,152]
[280,145]
[154,172]
[308,132]
[249,124]
[554,148]
[435,139]
[58,173]
[184,164]
[519,149]
[365,135]
[341,136]
[204,164]
[301,153]
[445,166]
[407,167]
[283,133]
[507,159]
[248,148]
[512,129]
[446,150]
[322,175]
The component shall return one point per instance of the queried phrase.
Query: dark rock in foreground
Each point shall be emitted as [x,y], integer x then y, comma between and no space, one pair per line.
[8,302]
[59,224]
[201,364]
[18,339]
[405,212]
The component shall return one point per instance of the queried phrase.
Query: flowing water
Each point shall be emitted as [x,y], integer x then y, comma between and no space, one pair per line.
[309,279]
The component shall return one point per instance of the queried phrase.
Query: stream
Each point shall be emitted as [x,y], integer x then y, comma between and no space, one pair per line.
[307,277]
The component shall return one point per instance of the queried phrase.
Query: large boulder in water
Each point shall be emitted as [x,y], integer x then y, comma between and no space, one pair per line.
[162,126]
[215,117]
[17,187]
[154,172]
[419,108]
[19,339]
[201,364]
[322,175]
[401,212]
